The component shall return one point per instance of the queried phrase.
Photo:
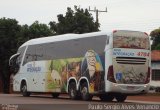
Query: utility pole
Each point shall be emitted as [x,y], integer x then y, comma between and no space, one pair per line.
[97,11]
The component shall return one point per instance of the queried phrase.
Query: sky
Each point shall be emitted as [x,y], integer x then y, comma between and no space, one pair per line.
[139,15]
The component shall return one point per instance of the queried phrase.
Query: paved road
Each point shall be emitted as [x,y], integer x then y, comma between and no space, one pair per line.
[46,102]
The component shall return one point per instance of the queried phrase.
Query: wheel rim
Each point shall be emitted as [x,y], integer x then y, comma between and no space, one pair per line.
[72,92]
[84,91]
[24,88]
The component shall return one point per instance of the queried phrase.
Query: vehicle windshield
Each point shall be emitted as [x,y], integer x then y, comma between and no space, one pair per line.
[131,42]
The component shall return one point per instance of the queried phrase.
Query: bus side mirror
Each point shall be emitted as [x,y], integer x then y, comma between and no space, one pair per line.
[14,66]
[13,59]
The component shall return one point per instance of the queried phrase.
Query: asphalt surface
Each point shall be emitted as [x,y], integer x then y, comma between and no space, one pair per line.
[46,102]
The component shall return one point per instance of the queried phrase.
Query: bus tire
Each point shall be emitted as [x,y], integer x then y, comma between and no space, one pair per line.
[24,91]
[120,98]
[72,90]
[106,97]
[85,92]
[55,95]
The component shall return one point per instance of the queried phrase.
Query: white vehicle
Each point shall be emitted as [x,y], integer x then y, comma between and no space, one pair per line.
[110,66]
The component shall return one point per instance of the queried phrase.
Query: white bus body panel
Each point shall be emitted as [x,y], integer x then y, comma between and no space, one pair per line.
[35,79]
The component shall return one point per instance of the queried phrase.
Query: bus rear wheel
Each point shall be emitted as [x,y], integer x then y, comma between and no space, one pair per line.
[55,95]
[120,98]
[106,97]
[24,91]
[85,92]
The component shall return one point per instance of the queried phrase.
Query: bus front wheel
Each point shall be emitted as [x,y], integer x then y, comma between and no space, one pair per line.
[24,91]
[106,97]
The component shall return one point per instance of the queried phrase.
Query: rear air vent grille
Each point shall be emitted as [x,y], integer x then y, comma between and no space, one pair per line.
[130,60]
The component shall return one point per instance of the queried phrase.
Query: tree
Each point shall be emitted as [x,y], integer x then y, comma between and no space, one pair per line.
[8,31]
[35,30]
[22,35]
[155,35]
[80,21]
[39,30]
[157,47]
[13,35]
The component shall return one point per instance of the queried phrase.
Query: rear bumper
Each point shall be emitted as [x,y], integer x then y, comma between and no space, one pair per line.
[130,89]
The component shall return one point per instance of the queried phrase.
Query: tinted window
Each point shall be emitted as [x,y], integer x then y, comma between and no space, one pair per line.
[39,52]
[131,42]
[30,54]
[65,49]
[75,48]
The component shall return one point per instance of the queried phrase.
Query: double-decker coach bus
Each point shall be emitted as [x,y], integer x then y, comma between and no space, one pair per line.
[110,66]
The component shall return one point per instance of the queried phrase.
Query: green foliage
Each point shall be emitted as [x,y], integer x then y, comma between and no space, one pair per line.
[157,47]
[39,30]
[80,21]
[155,35]
[8,45]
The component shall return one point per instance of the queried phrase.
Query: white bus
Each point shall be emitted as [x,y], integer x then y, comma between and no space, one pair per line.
[110,66]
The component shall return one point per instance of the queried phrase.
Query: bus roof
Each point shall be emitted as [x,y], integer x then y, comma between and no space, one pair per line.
[129,33]
[60,38]
[77,36]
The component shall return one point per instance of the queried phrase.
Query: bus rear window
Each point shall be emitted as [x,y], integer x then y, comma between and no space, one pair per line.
[131,42]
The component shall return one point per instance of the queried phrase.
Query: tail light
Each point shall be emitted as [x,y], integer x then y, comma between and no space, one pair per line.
[148,76]
[110,75]
[145,33]
[114,31]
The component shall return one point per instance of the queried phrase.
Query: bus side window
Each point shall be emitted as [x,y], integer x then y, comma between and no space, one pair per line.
[107,41]
[40,52]
[30,55]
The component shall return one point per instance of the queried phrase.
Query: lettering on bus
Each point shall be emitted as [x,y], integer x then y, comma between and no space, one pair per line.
[32,68]
[118,52]
[143,54]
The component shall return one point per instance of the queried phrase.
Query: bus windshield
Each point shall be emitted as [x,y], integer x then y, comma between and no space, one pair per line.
[131,42]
